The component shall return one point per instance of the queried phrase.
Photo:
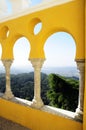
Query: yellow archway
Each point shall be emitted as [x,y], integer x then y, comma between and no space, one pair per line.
[68,17]
[63,43]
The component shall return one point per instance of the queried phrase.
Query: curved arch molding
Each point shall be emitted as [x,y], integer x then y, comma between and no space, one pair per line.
[68,17]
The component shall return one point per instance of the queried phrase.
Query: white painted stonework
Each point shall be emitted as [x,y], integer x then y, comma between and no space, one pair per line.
[22,7]
[8,93]
[37,65]
[81,68]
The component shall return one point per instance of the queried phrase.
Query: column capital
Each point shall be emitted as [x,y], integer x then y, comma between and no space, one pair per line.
[7,63]
[81,64]
[37,63]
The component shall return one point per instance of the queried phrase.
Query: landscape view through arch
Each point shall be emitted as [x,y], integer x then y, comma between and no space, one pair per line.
[60,52]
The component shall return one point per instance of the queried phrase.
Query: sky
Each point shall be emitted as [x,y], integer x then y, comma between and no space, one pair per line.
[59,48]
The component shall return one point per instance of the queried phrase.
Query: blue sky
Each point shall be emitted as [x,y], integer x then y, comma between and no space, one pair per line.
[35,2]
[59,49]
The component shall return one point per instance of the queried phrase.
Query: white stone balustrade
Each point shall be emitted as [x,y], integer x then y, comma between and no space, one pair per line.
[8,93]
[37,65]
[81,68]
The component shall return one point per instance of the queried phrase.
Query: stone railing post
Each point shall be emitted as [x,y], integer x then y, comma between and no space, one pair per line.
[81,68]
[37,65]
[8,93]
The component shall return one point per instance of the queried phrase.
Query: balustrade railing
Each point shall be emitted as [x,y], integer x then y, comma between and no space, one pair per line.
[37,101]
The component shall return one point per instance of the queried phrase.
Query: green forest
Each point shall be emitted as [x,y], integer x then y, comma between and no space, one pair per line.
[56,90]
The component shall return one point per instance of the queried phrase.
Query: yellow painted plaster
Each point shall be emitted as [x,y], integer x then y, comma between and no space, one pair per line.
[84,117]
[36,119]
[68,18]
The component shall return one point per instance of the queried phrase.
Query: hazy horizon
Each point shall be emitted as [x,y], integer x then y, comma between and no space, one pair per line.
[69,71]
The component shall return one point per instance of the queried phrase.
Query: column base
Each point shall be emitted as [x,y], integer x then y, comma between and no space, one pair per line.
[8,95]
[37,103]
[79,114]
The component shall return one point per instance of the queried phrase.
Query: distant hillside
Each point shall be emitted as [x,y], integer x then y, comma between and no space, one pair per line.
[22,85]
[64,94]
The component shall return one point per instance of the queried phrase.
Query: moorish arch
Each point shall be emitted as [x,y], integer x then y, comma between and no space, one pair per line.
[60,51]
[21,64]
[81,67]
[60,44]
[56,31]
[9,63]
[21,51]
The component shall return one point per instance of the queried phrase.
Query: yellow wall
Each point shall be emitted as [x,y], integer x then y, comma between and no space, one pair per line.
[84,119]
[68,17]
[36,119]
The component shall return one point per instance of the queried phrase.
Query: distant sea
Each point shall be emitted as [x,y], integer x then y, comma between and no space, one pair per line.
[64,71]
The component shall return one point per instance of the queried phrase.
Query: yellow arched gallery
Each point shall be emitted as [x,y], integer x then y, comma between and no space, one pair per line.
[68,17]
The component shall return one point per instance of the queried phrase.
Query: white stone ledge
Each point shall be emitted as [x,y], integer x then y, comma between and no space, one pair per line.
[60,112]
[52,110]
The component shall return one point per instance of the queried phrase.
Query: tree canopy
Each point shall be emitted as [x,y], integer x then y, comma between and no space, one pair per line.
[63,92]
[57,91]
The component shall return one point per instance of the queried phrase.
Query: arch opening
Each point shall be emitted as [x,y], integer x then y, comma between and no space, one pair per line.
[60,66]
[63,45]
[22,71]
[37,28]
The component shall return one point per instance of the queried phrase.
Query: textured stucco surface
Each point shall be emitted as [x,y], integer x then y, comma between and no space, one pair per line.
[9,125]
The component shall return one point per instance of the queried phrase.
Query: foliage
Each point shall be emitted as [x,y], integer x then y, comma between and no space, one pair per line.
[23,85]
[56,90]
[63,92]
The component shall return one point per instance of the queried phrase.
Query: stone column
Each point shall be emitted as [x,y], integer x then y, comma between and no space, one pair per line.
[8,93]
[37,101]
[81,68]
